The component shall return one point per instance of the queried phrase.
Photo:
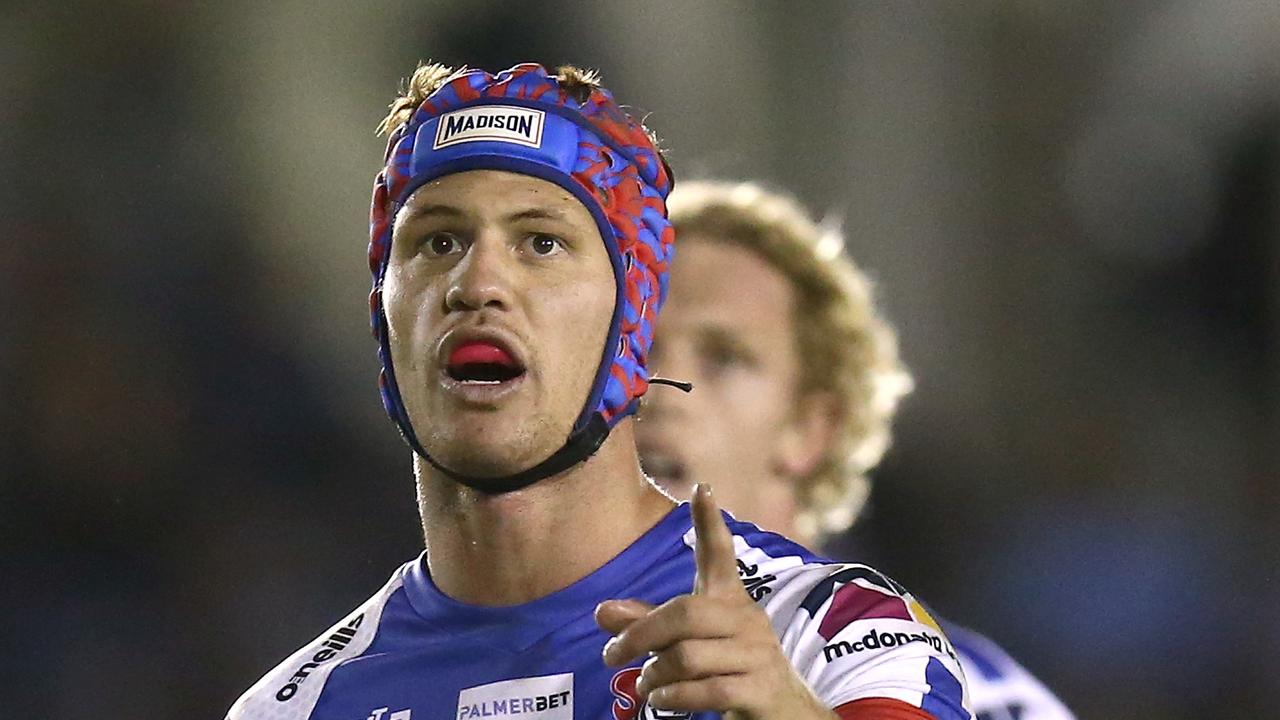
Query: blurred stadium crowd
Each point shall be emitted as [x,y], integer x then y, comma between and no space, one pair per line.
[1072,211]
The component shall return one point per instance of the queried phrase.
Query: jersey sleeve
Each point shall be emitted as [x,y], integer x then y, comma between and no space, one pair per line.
[854,634]
[291,690]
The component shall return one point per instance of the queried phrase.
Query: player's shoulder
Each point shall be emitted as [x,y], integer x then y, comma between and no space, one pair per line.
[784,576]
[849,630]
[291,689]
[998,684]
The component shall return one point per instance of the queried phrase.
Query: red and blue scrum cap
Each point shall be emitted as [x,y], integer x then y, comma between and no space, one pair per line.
[522,121]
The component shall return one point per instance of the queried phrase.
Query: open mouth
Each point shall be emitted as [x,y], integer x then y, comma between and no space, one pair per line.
[482,363]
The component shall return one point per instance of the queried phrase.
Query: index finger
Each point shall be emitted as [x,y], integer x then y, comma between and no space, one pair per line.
[716,561]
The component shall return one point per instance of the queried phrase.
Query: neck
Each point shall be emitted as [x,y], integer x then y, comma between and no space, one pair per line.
[516,547]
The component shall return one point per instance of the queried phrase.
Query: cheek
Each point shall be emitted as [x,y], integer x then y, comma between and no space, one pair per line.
[403,304]
[754,411]
[393,307]
[582,315]
[740,422]
[393,296]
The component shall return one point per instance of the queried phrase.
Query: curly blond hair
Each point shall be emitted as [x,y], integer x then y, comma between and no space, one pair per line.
[845,345]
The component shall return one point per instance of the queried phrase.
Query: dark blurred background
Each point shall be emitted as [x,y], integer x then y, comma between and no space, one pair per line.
[1071,210]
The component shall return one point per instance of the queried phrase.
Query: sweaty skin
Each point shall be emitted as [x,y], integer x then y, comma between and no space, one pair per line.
[519,258]
[519,261]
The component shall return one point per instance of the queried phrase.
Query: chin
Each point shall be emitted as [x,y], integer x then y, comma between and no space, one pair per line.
[485,452]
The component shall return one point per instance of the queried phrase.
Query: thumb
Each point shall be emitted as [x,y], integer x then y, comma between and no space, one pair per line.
[614,616]
[717,563]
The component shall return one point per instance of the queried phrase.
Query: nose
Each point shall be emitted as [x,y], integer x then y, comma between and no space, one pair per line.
[482,279]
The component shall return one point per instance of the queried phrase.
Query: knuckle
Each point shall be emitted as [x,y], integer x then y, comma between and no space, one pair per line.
[681,610]
[666,698]
[630,641]
[759,621]
[640,633]
[680,658]
[770,656]
[720,693]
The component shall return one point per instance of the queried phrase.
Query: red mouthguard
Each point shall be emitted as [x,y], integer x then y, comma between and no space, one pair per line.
[480,352]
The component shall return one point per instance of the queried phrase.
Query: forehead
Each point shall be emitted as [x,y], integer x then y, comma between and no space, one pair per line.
[497,193]
[719,283]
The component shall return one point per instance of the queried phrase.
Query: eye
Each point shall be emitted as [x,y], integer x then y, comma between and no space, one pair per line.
[543,244]
[724,354]
[441,244]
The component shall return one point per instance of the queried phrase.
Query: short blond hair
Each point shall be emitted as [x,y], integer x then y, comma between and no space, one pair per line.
[845,345]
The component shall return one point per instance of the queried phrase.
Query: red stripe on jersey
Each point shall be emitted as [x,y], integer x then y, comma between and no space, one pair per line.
[881,709]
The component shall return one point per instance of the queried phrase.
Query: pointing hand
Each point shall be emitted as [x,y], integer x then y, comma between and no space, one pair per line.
[711,650]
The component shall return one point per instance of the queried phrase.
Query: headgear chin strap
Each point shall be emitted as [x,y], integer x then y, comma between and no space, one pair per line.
[521,121]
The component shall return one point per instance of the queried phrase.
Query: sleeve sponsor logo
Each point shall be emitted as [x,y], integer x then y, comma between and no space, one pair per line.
[329,649]
[549,697]
[757,585]
[493,123]
[881,640]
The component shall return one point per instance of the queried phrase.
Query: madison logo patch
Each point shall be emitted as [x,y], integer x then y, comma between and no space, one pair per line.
[493,123]
[549,697]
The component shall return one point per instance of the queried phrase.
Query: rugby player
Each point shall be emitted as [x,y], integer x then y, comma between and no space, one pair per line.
[797,379]
[519,247]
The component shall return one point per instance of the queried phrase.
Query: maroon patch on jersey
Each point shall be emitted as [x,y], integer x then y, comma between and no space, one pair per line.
[854,602]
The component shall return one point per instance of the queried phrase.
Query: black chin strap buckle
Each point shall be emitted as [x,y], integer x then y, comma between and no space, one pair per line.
[677,384]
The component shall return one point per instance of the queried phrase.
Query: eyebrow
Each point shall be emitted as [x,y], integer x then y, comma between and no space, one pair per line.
[418,211]
[533,213]
[451,212]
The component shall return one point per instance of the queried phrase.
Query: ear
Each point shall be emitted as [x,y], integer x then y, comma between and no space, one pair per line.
[810,433]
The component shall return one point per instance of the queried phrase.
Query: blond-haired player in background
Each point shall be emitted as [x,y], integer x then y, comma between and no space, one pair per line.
[797,378]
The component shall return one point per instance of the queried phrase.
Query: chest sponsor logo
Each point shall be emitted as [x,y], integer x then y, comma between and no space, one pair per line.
[627,704]
[493,123]
[549,697]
